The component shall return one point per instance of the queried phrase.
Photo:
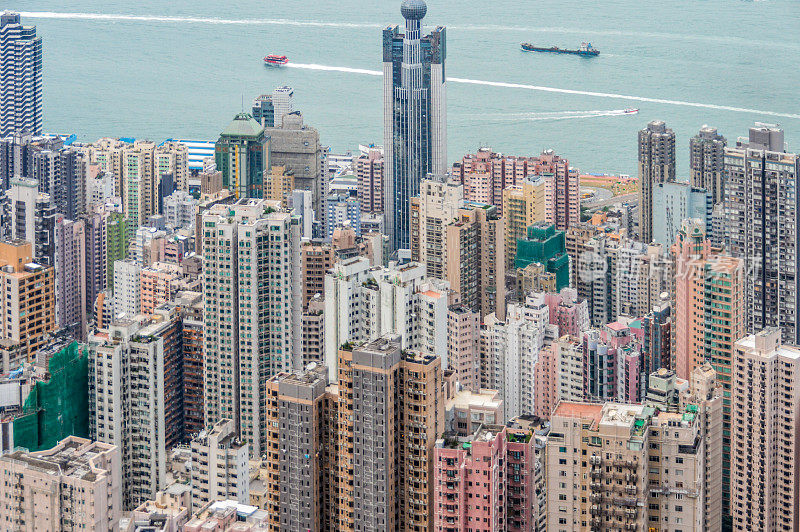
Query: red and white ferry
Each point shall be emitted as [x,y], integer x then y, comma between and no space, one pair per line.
[276,60]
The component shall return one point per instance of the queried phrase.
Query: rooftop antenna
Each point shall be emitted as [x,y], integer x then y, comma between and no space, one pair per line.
[243,102]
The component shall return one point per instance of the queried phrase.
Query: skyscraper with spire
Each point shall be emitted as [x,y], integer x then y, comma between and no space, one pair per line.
[414,116]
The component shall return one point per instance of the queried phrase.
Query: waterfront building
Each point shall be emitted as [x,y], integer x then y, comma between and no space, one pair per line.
[656,165]
[75,485]
[251,254]
[674,202]
[762,216]
[21,82]
[706,162]
[764,433]
[242,154]
[414,115]
[220,469]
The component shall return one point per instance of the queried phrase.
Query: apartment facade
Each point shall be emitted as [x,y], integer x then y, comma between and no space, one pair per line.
[76,485]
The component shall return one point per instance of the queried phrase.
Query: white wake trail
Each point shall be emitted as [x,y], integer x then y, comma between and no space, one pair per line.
[575,92]
[465,27]
[194,20]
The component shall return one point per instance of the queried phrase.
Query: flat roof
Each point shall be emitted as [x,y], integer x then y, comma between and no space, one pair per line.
[593,411]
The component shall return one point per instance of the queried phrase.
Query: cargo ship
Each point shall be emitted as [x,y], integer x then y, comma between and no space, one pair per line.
[276,60]
[586,49]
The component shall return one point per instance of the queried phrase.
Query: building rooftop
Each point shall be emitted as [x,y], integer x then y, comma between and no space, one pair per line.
[72,457]
[593,411]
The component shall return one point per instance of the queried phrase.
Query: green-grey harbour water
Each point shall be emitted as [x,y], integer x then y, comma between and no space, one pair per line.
[180,69]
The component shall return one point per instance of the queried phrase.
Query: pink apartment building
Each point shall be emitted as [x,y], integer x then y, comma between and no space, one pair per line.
[484,482]
[486,174]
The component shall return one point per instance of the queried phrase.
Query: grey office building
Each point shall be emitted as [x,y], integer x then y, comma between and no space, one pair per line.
[706,162]
[656,165]
[20,76]
[761,205]
[414,115]
[296,147]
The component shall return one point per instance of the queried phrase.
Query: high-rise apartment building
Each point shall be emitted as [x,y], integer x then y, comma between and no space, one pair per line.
[523,205]
[762,221]
[656,165]
[126,402]
[192,353]
[509,351]
[437,205]
[75,485]
[673,203]
[764,433]
[127,288]
[28,300]
[398,406]
[463,344]
[269,109]
[298,435]
[316,259]
[414,115]
[706,162]
[220,468]
[21,80]
[242,154]
[71,278]
[476,259]
[485,481]
[251,255]
[368,168]
[631,467]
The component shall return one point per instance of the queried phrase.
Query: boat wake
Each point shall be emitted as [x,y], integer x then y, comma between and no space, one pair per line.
[558,90]
[727,39]
[556,115]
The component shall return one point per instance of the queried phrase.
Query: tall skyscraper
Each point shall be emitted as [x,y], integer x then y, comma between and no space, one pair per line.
[706,162]
[253,299]
[656,165]
[20,77]
[414,115]
[764,434]
[762,223]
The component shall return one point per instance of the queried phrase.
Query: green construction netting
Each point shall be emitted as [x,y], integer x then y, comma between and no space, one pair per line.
[59,407]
